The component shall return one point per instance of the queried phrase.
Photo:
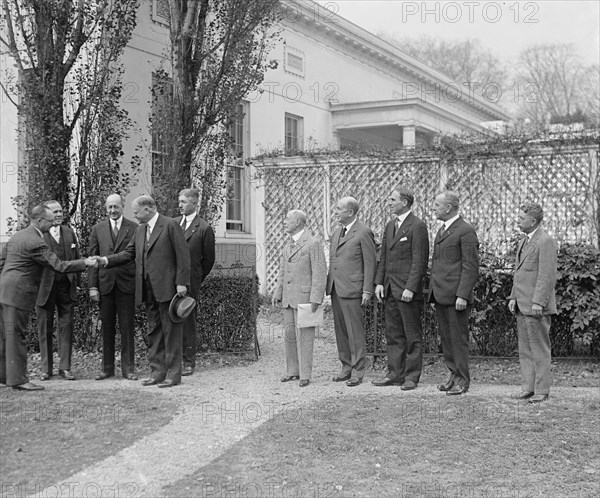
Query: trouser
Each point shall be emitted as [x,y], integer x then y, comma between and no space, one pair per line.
[13,349]
[454,333]
[122,305]
[349,334]
[298,345]
[534,352]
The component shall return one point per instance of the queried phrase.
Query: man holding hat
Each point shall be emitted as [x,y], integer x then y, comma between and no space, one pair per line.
[162,271]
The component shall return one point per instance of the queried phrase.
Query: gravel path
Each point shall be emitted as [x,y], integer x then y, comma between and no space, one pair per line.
[218,408]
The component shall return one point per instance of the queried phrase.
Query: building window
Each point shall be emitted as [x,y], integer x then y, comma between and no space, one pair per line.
[236,174]
[294,140]
[294,61]
[160,11]
[162,101]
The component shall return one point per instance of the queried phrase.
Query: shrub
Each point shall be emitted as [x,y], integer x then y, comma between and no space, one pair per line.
[577,299]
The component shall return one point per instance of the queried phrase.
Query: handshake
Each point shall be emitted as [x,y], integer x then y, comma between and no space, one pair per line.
[95,261]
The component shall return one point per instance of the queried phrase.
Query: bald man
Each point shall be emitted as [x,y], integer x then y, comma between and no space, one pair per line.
[114,288]
[162,260]
[454,272]
[350,283]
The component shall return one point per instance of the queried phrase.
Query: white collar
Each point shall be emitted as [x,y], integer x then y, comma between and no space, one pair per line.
[188,219]
[38,231]
[402,217]
[529,235]
[117,222]
[152,221]
[449,222]
[297,236]
[349,225]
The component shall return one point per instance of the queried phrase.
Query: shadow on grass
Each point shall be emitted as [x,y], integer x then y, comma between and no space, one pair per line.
[417,445]
[49,435]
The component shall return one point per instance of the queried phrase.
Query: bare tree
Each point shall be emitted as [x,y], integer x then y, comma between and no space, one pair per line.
[562,87]
[65,53]
[218,55]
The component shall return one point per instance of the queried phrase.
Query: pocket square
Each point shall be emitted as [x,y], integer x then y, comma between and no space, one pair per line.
[403,239]
[73,246]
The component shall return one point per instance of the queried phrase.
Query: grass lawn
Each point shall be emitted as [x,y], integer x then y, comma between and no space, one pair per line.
[415,445]
[49,435]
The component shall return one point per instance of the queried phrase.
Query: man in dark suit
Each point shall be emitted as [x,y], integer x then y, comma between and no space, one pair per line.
[114,288]
[454,272]
[533,299]
[23,260]
[162,270]
[350,283]
[58,291]
[201,242]
[399,279]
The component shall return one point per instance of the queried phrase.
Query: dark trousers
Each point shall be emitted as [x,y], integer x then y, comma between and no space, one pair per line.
[164,339]
[189,339]
[454,333]
[13,349]
[112,305]
[349,334]
[404,336]
[60,298]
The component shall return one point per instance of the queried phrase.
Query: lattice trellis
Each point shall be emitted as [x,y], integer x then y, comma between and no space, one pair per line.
[491,188]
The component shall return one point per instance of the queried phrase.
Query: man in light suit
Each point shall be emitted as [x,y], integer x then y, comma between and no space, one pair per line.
[114,288]
[399,279]
[162,270]
[350,283]
[200,239]
[454,272]
[22,263]
[301,280]
[533,299]
[58,291]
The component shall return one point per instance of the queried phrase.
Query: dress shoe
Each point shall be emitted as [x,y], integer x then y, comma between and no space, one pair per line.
[539,398]
[289,378]
[304,383]
[150,381]
[45,376]
[445,387]
[409,385]
[354,381]
[28,386]
[66,374]
[130,376]
[456,390]
[386,381]
[2,384]
[104,375]
[522,395]
[187,371]
[168,383]
[341,378]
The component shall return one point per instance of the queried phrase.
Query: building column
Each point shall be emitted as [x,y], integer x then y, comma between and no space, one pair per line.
[408,137]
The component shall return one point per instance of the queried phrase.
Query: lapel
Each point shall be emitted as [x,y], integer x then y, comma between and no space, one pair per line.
[298,246]
[158,227]
[192,227]
[449,231]
[402,231]
[526,247]
[123,231]
[349,234]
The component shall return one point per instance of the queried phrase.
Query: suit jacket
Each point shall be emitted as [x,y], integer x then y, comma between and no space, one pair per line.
[302,272]
[201,241]
[68,240]
[455,265]
[352,262]
[404,257]
[167,259]
[535,274]
[22,263]
[101,244]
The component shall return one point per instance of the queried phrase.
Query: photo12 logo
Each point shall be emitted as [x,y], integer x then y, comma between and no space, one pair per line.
[470,12]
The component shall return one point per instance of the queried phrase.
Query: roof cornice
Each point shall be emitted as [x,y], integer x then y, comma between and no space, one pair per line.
[313,17]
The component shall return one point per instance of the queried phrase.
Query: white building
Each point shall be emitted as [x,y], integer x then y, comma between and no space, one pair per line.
[336,85]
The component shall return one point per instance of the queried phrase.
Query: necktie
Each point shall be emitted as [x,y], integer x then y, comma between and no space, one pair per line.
[442,230]
[115,230]
[343,233]
[396,226]
[184,224]
[56,234]
[148,233]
